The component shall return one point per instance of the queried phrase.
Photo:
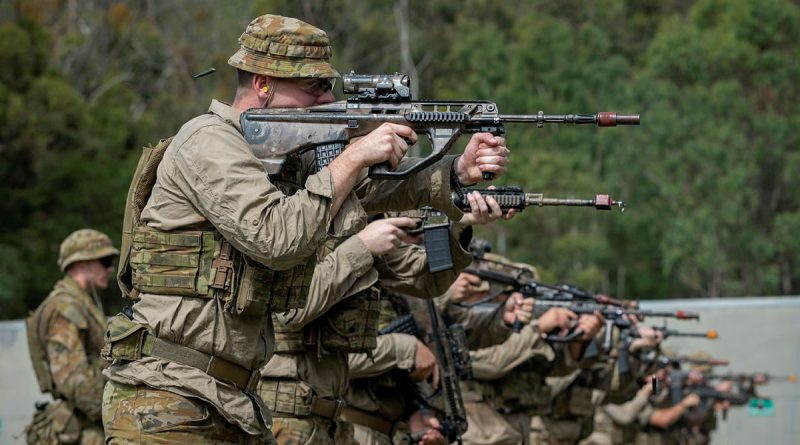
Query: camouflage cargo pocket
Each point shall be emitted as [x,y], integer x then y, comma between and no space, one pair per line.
[163,411]
[286,397]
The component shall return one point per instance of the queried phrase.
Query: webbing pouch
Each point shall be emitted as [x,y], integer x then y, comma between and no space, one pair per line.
[173,263]
[352,325]
[261,290]
[124,339]
[286,397]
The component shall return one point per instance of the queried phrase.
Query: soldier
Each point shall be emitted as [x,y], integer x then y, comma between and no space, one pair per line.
[509,377]
[304,383]
[65,335]
[212,245]
[384,396]
[616,420]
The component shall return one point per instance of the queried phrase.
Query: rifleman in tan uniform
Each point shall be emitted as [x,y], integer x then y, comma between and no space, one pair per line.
[382,399]
[65,335]
[212,246]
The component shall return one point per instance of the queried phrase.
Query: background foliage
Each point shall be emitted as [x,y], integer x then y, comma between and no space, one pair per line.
[707,177]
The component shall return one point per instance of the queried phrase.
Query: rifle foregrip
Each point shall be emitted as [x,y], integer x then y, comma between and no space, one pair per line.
[506,199]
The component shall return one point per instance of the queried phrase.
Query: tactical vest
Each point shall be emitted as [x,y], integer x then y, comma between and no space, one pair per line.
[349,326]
[524,390]
[198,263]
[89,324]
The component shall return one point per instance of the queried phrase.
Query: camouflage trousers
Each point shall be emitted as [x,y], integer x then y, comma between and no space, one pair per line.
[312,430]
[144,415]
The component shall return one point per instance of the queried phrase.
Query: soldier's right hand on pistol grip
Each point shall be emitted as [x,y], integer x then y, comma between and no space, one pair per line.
[386,143]
[518,308]
[463,288]
[556,319]
[691,401]
[590,325]
[385,235]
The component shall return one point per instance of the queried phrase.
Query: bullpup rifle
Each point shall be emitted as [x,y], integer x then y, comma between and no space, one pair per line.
[374,99]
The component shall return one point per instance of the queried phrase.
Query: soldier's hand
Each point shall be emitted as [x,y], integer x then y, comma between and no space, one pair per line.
[690,401]
[463,288]
[424,420]
[648,338]
[385,235]
[557,318]
[386,143]
[484,210]
[647,388]
[724,386]
[425,365]
[484,153]
[518,308]
[590,325]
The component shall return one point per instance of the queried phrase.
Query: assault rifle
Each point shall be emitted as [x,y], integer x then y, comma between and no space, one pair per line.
[757,378]
[454,421]
[519,279]
[709,394]
[512,197]
[666,333]
[612,315]
[374,99]
[456,337]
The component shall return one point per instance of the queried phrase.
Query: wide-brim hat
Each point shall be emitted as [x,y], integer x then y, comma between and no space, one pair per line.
[85,245]
[284,47]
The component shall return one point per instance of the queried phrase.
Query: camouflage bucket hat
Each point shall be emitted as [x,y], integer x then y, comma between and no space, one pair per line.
[279,46]
[84,245]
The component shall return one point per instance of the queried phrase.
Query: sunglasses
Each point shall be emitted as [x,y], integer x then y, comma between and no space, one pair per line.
[108,261]
[316,86]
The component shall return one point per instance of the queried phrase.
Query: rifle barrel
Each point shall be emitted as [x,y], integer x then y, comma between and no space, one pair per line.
[602,119]
[600,202]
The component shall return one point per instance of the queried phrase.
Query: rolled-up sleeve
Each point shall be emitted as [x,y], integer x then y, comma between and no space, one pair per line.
[494,362]
[394,351]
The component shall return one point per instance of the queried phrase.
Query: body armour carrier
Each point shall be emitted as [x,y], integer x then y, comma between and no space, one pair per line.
[351,325]
[198,263]
[524,390]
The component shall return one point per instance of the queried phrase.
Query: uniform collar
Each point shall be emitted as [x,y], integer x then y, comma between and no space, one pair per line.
[226,112]
[73,288]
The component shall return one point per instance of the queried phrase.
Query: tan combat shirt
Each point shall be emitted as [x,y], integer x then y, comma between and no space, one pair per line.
[209,178]
[349,269]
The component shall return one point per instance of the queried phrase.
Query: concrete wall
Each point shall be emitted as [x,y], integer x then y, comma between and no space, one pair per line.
[756,334]
[17,383]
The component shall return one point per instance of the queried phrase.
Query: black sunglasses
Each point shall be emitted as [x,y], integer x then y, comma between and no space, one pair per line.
[108,261]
